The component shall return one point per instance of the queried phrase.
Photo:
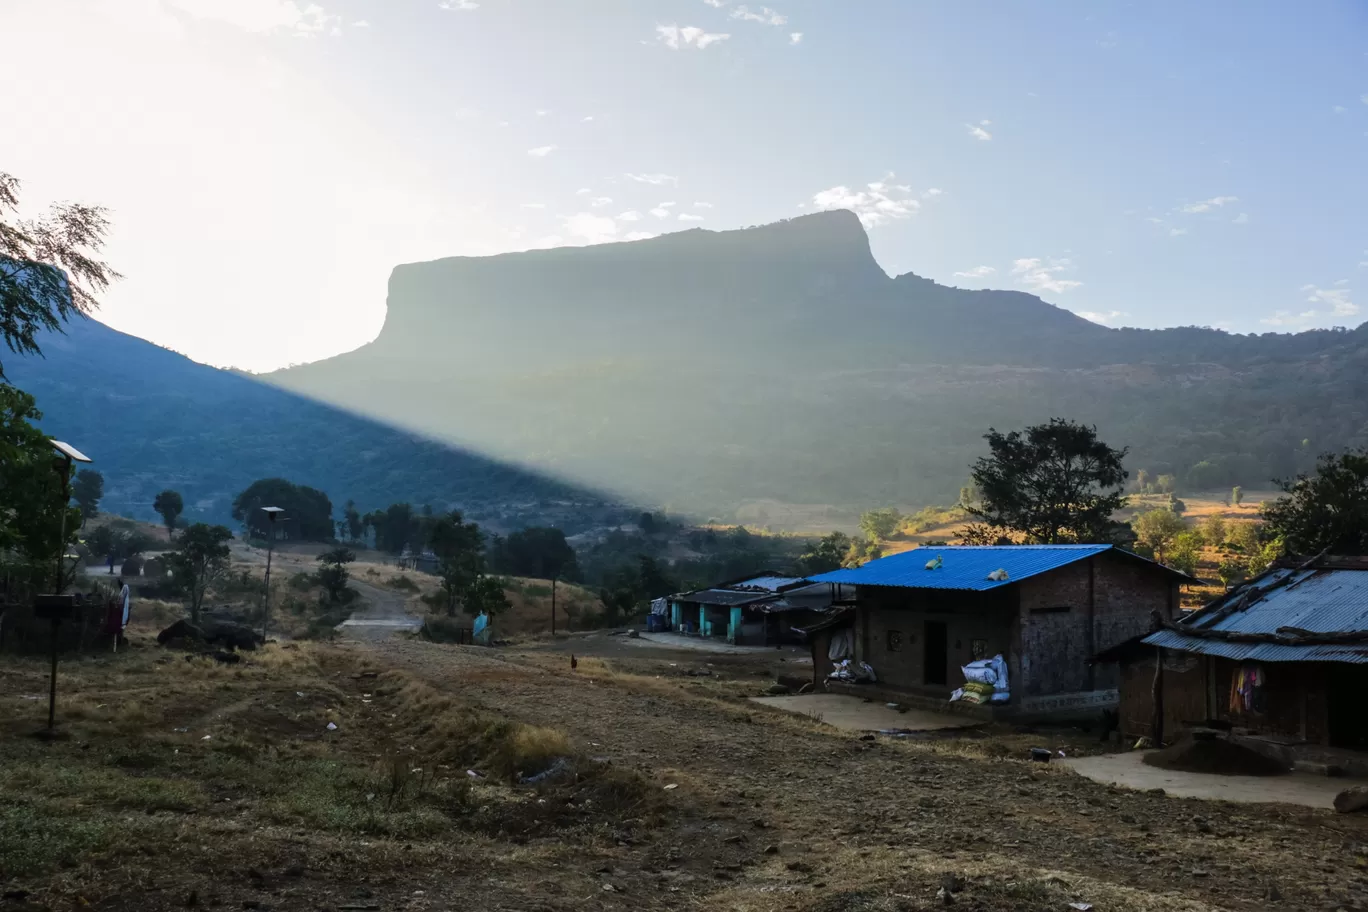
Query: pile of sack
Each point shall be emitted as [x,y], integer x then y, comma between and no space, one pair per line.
[847,670]
[985,681]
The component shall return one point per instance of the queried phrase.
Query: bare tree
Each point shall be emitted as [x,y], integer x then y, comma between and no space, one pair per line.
[49,270]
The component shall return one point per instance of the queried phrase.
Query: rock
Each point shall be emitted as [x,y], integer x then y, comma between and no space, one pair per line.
[181,632]
[778,690]
[945,896]
[231,635]
[1351,799]
[226,658]
[952,883]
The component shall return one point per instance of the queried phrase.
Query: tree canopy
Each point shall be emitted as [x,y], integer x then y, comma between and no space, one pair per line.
[86,490]
[308,512]
[539,552]
[200,559]
[169,506]
[1054,482]
[1323,511]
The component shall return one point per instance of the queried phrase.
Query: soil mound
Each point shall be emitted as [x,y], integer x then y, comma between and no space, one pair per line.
[1214,755]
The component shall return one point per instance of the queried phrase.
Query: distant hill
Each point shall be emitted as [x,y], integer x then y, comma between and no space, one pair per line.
[153,419]
[703,369]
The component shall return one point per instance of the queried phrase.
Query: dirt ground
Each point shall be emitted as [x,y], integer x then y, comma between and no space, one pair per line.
[187,784]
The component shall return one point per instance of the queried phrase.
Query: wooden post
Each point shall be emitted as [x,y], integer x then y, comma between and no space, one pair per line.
[553,606]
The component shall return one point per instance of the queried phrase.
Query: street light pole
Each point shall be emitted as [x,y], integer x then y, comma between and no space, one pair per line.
[272,514]
[53,606]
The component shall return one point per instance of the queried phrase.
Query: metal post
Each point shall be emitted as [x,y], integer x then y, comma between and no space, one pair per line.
[61,539]
[553,606]
[52,681]
[266,612]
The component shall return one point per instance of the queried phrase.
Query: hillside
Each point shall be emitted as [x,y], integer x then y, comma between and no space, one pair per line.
[153,419]
[706,369]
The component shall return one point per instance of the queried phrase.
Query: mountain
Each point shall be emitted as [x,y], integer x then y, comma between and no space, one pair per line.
[152,419]
[704,369]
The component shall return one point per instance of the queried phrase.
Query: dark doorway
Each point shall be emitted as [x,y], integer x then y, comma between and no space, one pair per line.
[936,662]
[1348,721]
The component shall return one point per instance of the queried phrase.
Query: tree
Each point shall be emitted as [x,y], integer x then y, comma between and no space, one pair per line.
[827,554]
[169,506]
[395,527]
[352,526]
[333,575]
[1143,481]
[201,559]
[653,583]
[86,490]
[1156,530]
[1186,549]
[880,525]
[1214,530]
[308,512]
[1236,495]
[1176,506]
[541,553]
[485,595]
[1326,511]
[1231,571]
[1167,484]
[31,501]
[49,270]
[459,547]
[1054,482]
[1243,537]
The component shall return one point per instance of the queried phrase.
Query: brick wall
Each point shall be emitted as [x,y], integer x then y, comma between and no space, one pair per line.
[967,615]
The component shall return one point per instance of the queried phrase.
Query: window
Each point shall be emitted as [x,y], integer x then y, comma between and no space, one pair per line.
[894,640]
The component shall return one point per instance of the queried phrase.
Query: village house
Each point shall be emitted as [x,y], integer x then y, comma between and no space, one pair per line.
[1281,661]
[757,610]
[921,615]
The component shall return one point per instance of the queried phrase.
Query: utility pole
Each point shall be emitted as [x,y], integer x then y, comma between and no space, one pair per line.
[272,514]
[553,606]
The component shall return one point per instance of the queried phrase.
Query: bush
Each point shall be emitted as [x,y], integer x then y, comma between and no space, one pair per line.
[132,566]
[402,583]
[442,629]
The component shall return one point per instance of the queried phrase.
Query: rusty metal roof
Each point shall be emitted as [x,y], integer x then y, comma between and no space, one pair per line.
[1321,600]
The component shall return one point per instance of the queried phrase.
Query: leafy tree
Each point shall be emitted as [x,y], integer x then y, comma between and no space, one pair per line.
[1326,511]
[1243,537]
[1176,506]
[1236,495]
[169,506]
[199,561]
[1214,530]
[352,526]
[1143,480]
[87,490]
[1054,482]
[829,553]
[880,525]
[1262,557]
[1231,571]
[333,575]
[1156,530]
[308,512]
[31,501]
[861,551]
[459,547]
[541,553]
[1186,550]
[1166,484]
[49,270]
[653,582]
[486,594]
[395,527]
[647,523]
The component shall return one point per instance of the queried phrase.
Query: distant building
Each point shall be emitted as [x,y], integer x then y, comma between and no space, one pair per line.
[426,562]
[758,610]
[921,615]
[1281,660]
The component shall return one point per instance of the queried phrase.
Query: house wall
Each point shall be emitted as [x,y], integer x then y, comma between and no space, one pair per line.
[1072,613]
[988,616]
[1198,688]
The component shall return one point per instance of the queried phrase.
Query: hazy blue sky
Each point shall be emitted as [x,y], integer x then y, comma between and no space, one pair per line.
[269,161]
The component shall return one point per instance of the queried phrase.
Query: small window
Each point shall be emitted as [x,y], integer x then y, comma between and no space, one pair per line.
[894,640]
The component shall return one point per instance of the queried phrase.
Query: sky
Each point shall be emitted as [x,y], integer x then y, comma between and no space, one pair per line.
[268,162]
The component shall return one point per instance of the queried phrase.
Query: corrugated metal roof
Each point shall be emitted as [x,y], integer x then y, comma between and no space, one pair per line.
[964,566]
[768,583]
[1318,600]
[728,597]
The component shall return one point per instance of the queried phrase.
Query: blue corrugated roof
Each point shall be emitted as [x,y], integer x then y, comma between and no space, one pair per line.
[963,566]
[1320,601]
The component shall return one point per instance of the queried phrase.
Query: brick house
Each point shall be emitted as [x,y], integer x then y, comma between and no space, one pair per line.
[1047,609]
[1297,636]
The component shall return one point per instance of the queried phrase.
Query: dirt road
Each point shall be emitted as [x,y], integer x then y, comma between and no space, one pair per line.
[385,612]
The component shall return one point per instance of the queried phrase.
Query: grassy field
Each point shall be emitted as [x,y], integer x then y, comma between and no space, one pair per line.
[186,784]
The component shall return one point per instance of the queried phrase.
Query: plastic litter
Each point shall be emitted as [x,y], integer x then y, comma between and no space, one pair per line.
[332,726]
[206,737]
[1081,907]
[474,775]
[1040,755]
[561,765]
[672,786]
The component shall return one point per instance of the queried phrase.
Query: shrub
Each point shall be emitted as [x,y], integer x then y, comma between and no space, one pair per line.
[439,628]
[402,583]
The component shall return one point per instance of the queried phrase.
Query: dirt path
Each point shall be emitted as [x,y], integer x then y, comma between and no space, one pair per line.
[859,817]
[383,613]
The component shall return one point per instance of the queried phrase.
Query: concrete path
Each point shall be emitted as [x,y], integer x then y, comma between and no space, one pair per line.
[1130,771]
[384,613]
[707,644]
[854,714]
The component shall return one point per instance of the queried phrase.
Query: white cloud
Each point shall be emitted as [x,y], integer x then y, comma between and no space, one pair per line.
[932,192]
[977,131]
[703,205]
[1177,232]
[1288,318]
[596,229]
[978,272]
[541,151]
[1364,98]
[690,217]
[534,205]
[1241,219]
[660,212]
[654,179]
[667,205]
[600,201]
[466,5]
[675,38]
[1104,318]
[631,215]
[551,240]
[795,37]
[1339,109]
[588,119]
[542,112]
[716,4]
[879,203]
[638,236]
[765,16]
[1337,298]
[1207,205]
[1042,275]
[263,15]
